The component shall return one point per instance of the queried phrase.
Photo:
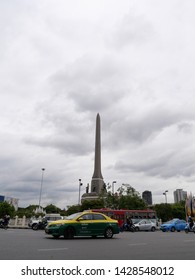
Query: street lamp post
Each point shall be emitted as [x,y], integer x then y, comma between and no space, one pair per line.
[80,184]
[43,169]
[165,194]
[114,182]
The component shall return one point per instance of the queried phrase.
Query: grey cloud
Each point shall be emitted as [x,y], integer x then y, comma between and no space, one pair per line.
[186,127]
[91,83]
[165,164]
[141,127]
[67,144]
[60,67]
[133,30]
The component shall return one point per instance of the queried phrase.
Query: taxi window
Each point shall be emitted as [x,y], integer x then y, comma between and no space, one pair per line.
[87,217]
[98,217]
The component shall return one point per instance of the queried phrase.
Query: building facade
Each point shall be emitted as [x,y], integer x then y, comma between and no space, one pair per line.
[147,197]
[179,195]
[11,200]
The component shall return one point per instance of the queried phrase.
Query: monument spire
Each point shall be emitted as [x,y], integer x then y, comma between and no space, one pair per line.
[97,182]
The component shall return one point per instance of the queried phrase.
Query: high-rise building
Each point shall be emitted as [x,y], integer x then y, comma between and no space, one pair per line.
[179,195]
[147,197]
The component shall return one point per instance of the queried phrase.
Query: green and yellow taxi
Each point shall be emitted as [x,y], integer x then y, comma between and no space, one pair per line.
[83,224]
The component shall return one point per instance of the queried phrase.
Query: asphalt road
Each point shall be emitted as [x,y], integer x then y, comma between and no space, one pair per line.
[26,244]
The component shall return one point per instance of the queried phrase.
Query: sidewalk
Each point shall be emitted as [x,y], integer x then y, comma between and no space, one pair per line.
[19,226]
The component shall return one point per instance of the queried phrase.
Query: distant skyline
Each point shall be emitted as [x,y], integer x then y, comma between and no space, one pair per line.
[61,64]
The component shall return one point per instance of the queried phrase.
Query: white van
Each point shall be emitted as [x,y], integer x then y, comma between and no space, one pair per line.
[52,217]
[48,218]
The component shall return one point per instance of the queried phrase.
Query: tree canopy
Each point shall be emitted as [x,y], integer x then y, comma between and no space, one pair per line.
[6,209]
[166,211]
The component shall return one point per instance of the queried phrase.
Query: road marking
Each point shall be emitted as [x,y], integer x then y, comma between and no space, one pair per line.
[189,240]
[54,249]
[137,244]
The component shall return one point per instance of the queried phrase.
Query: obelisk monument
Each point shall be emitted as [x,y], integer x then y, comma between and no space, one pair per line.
[97,183]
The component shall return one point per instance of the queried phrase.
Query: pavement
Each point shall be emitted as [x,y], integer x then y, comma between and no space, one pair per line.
[20,227]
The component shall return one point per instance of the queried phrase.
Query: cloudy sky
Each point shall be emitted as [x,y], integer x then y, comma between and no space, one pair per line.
[62,62]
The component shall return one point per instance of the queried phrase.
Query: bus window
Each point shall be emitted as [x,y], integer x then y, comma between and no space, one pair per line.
[137,215]
[109,214]
[121,215]
[115,217]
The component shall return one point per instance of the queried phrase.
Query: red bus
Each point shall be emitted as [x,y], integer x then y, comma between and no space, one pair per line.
[122,214]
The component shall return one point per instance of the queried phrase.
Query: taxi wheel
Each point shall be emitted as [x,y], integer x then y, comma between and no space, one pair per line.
[108,233]
[69,233]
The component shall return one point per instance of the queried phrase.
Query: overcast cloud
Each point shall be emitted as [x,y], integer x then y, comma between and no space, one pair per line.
[62,62]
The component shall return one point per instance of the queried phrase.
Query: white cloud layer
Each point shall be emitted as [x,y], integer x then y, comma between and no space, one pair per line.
[62,62]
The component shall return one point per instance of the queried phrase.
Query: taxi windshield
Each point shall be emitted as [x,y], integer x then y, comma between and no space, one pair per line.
[73,216]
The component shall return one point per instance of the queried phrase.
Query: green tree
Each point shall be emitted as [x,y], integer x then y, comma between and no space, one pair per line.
[111,201]
[126,197]
[6,209]
[31,208]
[178,210]
[52,209]
[28,211]
[164,211]
[127,189]
[24,212]
[73,209]
[129,198]
[92,204]
[131,202]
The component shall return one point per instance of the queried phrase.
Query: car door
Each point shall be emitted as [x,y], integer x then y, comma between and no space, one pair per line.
[142,225]
[181,225]
[85,224]
[99,225]
[177,225]
[148,225]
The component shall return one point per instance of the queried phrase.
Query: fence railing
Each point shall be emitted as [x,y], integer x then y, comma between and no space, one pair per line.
[19,222]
